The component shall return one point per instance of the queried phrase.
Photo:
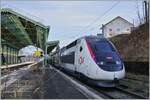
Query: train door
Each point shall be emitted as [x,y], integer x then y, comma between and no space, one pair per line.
[77,54]
[80,57]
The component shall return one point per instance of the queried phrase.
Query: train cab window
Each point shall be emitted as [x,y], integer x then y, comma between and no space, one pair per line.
[99,45]
[81,48]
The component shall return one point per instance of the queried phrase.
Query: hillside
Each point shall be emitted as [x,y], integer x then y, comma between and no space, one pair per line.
[135,46]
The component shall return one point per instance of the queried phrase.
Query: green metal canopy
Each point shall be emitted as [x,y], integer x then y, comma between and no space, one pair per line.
[20,31]
[51,45]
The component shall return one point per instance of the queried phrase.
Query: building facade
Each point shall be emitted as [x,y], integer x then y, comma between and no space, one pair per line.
[116,26]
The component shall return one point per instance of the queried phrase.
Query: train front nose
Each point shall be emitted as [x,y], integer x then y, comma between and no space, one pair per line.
[110,66]
[109,61]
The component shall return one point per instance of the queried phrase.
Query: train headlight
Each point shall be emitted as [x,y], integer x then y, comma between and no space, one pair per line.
[118,62]
[100,63]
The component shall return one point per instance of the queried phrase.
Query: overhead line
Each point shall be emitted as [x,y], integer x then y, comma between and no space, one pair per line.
[98,18]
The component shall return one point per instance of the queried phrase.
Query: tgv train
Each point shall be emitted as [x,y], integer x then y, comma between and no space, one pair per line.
[92,58]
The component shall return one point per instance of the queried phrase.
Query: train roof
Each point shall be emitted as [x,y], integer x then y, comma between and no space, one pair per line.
[85,37]
[93,37]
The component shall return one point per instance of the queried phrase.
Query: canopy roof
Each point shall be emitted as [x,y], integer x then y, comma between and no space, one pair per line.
[20,31]
[51,45]
[28,51]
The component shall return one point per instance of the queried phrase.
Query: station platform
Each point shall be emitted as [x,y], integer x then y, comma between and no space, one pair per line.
[47,83]
[55,86]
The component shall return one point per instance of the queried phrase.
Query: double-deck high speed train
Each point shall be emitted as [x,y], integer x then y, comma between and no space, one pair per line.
[92,58]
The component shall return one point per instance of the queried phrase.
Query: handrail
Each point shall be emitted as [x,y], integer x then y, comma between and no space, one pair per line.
[21,64]
[14,65]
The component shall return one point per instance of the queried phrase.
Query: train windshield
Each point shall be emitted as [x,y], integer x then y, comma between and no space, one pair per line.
[99,45]
[102,46]
[105,55]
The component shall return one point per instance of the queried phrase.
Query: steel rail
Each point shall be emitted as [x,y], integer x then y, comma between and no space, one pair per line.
[129,92]
[136,79]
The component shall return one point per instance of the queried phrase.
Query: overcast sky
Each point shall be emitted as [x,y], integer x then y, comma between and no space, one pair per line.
[72,19]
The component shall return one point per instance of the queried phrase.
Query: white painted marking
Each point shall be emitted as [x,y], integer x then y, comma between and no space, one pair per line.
[8,83]
[14,76]
[14,65]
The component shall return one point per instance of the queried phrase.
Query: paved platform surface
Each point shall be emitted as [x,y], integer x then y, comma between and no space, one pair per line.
[45,83]
[55,86]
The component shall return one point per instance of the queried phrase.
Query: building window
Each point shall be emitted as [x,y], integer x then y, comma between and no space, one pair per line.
[110,29]
[118,29]
[110,34]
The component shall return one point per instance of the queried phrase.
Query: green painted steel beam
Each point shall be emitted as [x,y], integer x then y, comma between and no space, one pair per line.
[15,25]
[4,42]
[8,10]
[22,30]
[15,28]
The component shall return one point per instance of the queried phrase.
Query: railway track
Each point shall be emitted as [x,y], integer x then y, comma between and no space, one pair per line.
[119,93]
[123,91]
[138,87]
[137,79]
[130,92]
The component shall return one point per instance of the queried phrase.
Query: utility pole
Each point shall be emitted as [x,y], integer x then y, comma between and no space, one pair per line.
[138,13]
[146,4]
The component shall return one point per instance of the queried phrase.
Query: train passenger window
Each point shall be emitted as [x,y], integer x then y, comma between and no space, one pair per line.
[69,58]
[81,49]
[71,44]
